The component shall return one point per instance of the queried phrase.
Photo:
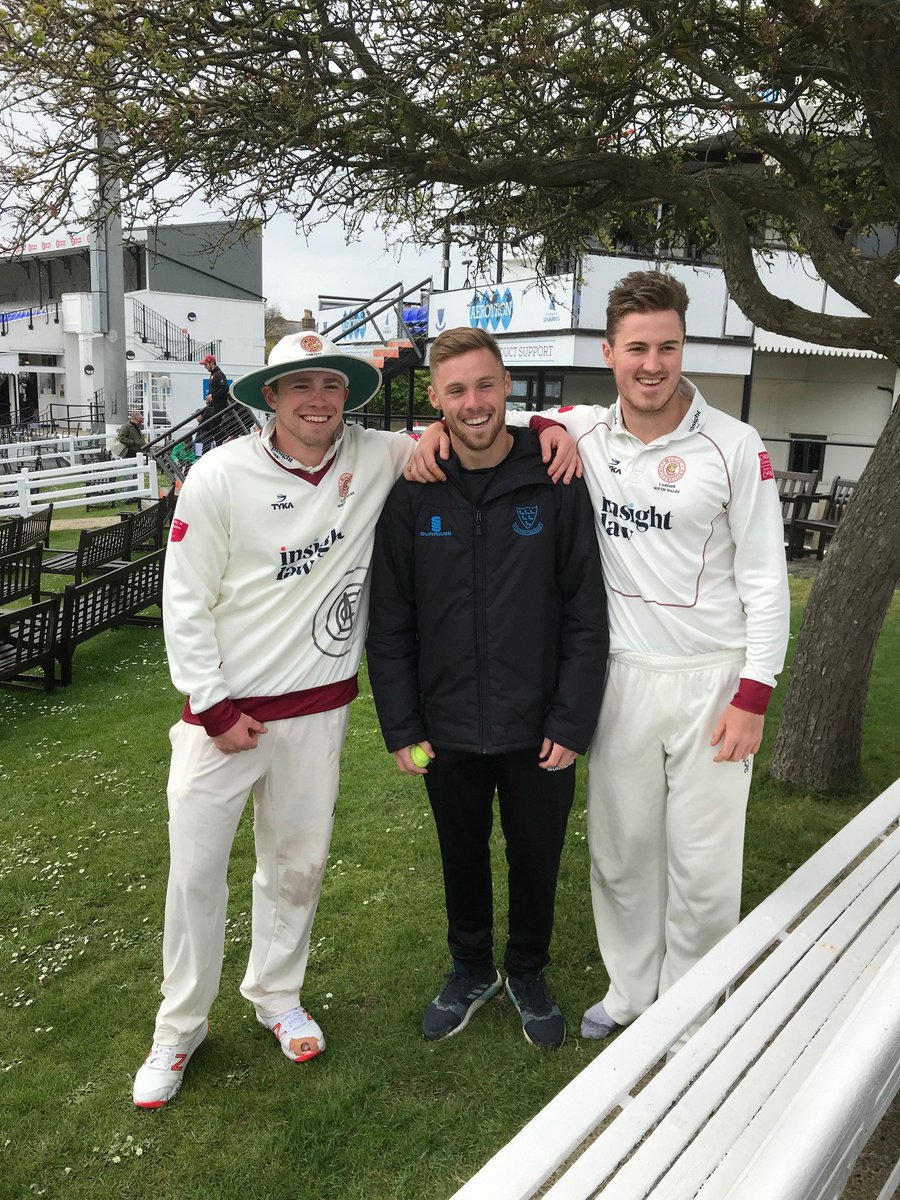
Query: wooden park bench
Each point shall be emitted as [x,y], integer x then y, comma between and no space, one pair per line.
[10,532]
[115,598]
[825,525]
[777,1093]
[148,524]
[36,528]
[19,533]
[20,576]
[27,639]
[101,549]
[795,491]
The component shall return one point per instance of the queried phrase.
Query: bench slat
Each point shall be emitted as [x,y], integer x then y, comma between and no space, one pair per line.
[728,1040]
[528,1160]
[739,1125]
[864,1058]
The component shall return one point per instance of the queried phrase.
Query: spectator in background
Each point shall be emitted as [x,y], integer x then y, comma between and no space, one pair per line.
[129,440]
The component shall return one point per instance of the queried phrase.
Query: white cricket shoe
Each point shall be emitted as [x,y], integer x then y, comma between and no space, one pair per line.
[300,1036]
[160,1077]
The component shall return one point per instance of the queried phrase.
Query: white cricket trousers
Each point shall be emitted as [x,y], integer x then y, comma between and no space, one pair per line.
[665,822]
[293,774]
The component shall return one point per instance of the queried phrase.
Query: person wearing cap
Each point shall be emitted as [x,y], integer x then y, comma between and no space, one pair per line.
[129,441]
[265,609]
[217,400]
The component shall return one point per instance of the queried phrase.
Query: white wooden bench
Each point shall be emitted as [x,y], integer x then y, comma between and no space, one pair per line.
[774,1097]
[118,480]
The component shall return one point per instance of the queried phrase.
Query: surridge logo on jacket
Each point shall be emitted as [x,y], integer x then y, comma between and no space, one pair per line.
[528,524]
[302,561]
[435,529]
[623,520]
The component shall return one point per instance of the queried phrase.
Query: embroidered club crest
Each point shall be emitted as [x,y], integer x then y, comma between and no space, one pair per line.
[343,488]
[671,469]
[527,524]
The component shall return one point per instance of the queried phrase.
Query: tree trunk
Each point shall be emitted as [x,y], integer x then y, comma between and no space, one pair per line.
[820,739]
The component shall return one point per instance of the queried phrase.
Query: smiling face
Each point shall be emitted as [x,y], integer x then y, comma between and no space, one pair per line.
[308,407]
[471,390]
[645,357]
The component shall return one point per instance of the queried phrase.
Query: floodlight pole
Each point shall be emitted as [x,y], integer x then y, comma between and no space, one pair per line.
[108,282]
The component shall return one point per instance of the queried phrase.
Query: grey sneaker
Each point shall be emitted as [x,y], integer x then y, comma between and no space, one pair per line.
[542,1022]
[597,1023]
[458,1001]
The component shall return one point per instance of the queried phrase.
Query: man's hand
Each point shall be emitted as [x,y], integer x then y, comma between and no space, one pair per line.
[738,734]
[423,467]
[555,757]
[561,451]
[243,735]
[406,765]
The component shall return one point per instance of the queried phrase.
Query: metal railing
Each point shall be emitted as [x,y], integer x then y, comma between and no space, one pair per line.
[153,329]
[29,313]
[78,416]
[175,450]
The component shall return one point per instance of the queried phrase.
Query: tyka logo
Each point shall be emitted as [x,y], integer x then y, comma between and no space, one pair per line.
[491,310]
[614,466]
[528,524]
[281,501]
[301,562]
[435,529]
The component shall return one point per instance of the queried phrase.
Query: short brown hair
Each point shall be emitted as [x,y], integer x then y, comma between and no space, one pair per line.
[643,292]
[453,342]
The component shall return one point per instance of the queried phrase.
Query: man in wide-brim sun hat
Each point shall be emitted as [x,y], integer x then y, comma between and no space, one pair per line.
[265,610]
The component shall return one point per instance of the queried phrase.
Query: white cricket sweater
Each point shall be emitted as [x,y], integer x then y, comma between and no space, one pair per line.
[691,535]
[266,574]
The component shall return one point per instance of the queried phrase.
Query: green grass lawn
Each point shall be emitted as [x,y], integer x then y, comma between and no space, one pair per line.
[382,1114]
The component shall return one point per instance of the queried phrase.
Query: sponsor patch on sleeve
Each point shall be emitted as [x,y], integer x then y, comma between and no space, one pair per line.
[179,529]
[765,466]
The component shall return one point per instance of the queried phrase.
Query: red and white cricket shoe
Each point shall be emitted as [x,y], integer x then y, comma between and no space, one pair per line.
[160,1077]
[300,1036]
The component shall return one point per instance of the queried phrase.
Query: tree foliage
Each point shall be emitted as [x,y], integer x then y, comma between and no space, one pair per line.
[549,120]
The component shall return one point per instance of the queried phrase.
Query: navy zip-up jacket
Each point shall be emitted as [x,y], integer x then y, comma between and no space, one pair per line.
[487,626]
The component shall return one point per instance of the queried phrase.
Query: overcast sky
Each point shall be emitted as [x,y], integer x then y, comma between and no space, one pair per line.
[296,272]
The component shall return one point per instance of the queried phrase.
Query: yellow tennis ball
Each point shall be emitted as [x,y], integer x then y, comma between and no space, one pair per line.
[418,757]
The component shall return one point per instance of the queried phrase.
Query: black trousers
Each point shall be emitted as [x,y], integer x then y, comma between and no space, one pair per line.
[534,809]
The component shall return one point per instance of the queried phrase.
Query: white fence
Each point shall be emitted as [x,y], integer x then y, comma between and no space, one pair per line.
[71,487]
[16,456]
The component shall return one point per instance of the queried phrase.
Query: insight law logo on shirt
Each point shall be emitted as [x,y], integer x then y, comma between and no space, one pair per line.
[623,520]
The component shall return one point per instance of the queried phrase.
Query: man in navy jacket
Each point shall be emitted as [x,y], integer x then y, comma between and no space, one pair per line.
[487,651]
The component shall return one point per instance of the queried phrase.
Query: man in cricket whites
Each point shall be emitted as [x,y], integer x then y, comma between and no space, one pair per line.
[265,602]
